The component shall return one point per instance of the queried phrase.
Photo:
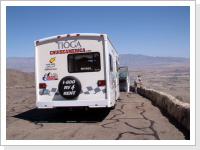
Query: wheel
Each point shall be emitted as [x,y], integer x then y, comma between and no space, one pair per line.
[69,87]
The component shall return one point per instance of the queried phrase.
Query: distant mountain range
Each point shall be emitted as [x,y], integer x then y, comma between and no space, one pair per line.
[141,60]
[28,64]
[21,64]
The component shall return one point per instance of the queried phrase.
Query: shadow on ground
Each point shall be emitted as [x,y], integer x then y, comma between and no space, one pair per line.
[64,115]
[172,120]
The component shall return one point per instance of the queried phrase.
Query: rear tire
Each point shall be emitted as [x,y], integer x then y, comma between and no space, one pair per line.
[69,87]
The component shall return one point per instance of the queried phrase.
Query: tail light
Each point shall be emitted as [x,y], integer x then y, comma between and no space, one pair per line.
[101,82]
[42,85]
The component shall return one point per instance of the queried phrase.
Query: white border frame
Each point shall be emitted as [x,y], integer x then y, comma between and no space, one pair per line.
[98,3]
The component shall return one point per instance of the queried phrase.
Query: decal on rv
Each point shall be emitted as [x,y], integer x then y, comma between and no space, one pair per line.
[69,87]
[69,44]
[50,76]
[52,59]
[70,51]
[93,89]
[48,91]
[44,92]
[51,65]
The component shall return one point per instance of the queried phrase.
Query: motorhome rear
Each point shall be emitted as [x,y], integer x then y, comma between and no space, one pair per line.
[76,70]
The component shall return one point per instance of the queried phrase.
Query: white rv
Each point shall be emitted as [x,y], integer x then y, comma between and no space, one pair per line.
[76,70]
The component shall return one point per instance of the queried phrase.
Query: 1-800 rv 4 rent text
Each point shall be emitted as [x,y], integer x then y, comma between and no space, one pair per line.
[76,70]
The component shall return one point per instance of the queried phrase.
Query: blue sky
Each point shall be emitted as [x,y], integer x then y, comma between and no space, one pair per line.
[148,30]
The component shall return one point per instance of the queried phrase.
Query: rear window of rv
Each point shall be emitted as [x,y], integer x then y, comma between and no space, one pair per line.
[87,62]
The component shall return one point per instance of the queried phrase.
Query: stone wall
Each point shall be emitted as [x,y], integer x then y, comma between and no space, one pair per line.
[174,107]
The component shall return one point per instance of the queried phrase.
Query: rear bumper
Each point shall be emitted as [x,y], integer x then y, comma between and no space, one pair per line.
[73,103]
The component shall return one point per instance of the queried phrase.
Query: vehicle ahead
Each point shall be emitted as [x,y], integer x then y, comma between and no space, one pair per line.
[124,79]
[76,70]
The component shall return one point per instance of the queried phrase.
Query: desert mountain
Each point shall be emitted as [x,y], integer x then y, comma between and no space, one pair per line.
[15,78]
[142,60]
[21,63]
[27,64]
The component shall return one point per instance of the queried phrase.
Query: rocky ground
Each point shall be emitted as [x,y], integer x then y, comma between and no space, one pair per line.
[15,78]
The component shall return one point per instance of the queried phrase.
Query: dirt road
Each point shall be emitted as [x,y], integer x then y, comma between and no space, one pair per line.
[134,118]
